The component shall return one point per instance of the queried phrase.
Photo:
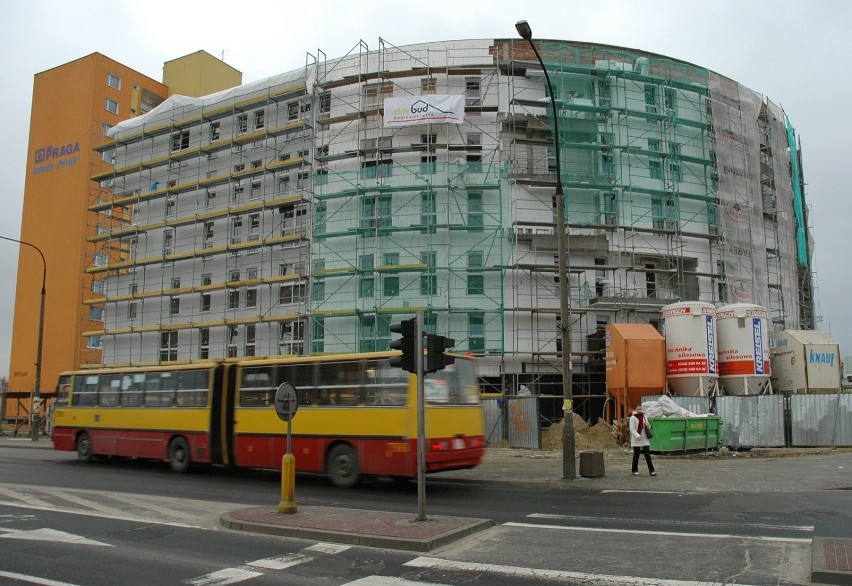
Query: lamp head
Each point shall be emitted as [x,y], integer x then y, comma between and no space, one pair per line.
[524,29]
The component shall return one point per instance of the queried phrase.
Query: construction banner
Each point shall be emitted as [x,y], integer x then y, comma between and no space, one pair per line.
[426,109]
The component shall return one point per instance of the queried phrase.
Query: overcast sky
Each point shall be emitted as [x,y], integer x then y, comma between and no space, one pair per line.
[797,53]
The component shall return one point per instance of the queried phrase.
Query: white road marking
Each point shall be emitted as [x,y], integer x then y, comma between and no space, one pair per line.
[235,575]
[142,508]
[135,502]
[625,491]
[8,518]
[556,575]
[33,579]
[388,581]
[330,548]
[223,577]
[665,533]
[84,502]
[281,562]
[24,497]
[698,523]
[46,534]
[97,514]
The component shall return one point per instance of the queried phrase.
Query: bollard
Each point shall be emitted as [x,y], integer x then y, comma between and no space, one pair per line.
[288,484]
[591,464]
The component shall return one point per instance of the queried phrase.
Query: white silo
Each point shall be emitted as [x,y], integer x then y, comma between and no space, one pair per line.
[742,335]
[691,368]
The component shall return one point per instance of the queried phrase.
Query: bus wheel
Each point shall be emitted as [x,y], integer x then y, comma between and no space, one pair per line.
[179,455]
[343,466]
[84,448]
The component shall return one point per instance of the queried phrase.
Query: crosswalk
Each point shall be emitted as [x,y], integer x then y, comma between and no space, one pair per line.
[464,572]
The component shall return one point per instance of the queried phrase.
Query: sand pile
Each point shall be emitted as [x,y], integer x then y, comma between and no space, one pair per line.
[598,436]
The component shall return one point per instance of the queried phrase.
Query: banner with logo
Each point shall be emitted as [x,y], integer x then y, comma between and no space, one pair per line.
[426,109]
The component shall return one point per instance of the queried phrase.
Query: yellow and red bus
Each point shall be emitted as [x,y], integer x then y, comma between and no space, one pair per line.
[357,415]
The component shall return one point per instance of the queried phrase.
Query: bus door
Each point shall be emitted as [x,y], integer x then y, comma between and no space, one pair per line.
[222,414]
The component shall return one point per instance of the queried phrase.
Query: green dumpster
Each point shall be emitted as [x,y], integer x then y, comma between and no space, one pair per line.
[681,434]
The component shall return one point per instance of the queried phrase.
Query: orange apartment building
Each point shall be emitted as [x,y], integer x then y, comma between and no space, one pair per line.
[73,105]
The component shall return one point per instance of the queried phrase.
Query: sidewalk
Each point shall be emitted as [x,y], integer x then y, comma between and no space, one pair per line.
[761,470]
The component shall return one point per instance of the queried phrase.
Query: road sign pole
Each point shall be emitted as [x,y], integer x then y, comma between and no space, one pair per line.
[286,405]
[421,425]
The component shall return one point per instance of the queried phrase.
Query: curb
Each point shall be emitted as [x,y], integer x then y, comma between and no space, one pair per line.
[831,561]
[10,441]
[395,531]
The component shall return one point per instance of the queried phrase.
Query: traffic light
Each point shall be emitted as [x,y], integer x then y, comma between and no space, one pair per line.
[407,343]
[435,347]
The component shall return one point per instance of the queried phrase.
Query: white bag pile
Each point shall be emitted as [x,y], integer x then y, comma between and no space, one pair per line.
[666,407]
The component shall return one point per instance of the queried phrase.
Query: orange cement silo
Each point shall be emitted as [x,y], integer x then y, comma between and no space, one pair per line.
[635,366]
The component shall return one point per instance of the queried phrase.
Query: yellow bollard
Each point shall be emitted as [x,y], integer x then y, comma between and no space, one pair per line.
[288,484]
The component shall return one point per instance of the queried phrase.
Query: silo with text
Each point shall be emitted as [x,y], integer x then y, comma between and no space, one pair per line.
[691,360]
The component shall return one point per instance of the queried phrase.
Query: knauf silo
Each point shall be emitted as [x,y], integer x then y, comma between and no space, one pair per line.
[806,361]
[742,340]
[691,369]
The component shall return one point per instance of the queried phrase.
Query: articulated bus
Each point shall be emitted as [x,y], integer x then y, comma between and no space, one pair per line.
[357,415]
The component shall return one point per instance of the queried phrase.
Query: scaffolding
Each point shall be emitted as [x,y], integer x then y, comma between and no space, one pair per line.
[637,170]
[201,228]
[407,219]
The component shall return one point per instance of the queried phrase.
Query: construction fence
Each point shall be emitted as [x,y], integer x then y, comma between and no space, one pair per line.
[759,421]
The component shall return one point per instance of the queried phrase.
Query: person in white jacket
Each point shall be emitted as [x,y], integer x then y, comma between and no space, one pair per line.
[639,427]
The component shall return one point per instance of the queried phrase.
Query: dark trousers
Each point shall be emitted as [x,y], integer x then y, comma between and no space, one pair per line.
[645,450]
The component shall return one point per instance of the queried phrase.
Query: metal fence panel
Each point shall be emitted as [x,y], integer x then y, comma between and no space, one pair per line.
[821,419]
[524,429]
[816,420]
[756,421]
[493,420]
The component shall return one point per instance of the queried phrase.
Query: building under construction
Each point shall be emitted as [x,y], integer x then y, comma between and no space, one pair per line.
[287,216]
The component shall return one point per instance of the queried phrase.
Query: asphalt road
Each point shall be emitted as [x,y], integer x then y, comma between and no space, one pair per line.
[140,520]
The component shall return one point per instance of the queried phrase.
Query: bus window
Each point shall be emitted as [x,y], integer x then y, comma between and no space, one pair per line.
[108,389]
[132,386]
[85,390]
[301,377]
[192,388]
[340,383]
[256,387]
[159,389]
[63,389]
[385,384]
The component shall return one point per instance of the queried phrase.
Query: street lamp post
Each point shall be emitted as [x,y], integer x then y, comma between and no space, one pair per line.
[36,391]
[568,456]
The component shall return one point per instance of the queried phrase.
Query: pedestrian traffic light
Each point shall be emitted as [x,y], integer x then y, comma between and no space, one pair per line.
[407,344]
[435,347]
